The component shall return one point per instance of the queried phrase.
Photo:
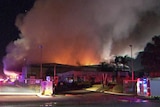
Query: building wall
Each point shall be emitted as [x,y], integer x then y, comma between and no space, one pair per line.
[78,76]
[84,74]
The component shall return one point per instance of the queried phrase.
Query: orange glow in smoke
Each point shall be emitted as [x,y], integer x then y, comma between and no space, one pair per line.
[75,60]
[85,61]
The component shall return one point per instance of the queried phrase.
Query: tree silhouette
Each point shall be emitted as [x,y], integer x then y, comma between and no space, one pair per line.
[122,60]
[151,56]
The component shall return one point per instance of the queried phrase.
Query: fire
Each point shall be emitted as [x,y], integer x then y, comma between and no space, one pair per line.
[11,75]
[88,59]
[84,61]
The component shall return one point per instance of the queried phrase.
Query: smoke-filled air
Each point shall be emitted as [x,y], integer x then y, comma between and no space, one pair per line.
[82,32]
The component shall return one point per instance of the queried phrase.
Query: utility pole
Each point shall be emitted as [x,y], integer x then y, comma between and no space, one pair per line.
[54,80]
[132,63]
[41,72]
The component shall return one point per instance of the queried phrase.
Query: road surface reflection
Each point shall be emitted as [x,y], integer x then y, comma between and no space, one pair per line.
[88,100]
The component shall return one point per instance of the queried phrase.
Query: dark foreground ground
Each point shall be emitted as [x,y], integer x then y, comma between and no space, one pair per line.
[77,98]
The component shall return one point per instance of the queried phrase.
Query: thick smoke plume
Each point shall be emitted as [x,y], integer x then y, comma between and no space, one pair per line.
[79,31]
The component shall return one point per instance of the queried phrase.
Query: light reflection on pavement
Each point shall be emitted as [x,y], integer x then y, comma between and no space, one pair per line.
[86,100]
[132,99]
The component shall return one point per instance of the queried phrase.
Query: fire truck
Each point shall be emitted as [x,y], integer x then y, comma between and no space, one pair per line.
[148,87]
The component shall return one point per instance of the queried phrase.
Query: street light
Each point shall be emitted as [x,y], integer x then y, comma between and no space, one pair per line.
[132,63]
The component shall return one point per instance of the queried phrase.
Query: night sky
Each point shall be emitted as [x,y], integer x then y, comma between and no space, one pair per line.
[9,9]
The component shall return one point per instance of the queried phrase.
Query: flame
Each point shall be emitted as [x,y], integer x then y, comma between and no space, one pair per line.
[87,59]
[11,74]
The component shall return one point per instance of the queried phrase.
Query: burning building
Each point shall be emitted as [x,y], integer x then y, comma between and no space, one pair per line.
[80,32]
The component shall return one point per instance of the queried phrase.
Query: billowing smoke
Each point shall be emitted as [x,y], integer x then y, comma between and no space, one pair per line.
[79,31]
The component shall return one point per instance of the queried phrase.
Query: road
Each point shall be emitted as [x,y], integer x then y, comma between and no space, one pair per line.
[89,99]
